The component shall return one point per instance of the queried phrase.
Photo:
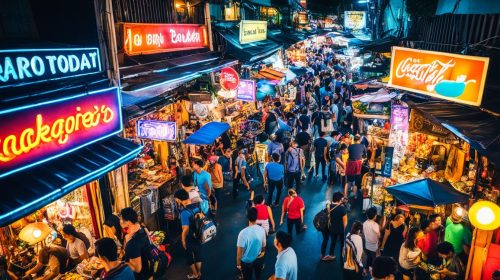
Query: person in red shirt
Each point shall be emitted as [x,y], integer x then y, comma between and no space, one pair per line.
[264,214]
[293,206]
[433,238]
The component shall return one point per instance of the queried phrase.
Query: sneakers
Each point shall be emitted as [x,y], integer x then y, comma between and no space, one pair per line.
[328,258]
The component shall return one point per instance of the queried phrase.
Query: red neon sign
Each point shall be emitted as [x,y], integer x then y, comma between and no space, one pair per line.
[44,131]
[229,78]
[148,38]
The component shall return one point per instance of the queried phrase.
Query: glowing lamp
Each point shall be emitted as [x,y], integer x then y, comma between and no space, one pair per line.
[34,233]
[37,233]
[485,215]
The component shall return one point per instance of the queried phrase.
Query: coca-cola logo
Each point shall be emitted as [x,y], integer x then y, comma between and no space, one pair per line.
[229,78]
[427,73]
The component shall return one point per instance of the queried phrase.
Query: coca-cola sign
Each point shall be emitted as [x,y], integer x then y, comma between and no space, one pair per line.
[454,77]
[148,38]
[229,78]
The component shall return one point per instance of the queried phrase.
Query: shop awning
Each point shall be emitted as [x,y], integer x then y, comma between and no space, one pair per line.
[29,190]
[427,192]
[207,134]
[286,38]
[479,128]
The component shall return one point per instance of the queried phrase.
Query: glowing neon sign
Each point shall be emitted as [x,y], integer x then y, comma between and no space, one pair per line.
[27,66]
[157,130]
[246,90]
[35,134]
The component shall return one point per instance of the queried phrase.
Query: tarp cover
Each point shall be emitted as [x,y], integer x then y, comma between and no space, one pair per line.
[207,134]
[427,192]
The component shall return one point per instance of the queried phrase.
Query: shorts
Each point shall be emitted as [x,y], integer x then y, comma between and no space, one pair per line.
[193,252]
[353,170]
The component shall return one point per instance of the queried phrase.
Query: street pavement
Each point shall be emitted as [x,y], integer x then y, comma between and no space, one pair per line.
[220,254]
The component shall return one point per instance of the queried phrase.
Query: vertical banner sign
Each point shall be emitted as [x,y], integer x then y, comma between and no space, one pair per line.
[387,166]
[229,78]
[398,137]
[252,31]
[246,91]
[399,117]
[454,77]
[354,20]
[148,38]
[28,66]
[157,130]
[34,134]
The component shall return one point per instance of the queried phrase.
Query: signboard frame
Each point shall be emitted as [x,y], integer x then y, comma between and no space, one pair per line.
[246,83]
[157,122]
[256,23]
[347,18]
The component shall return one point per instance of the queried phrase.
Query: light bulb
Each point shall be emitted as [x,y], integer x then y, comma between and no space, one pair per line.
[37,233]
[459,211]
[485,216]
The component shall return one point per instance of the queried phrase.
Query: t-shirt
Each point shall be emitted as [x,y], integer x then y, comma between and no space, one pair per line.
[275,147]
[430,243]
[76,249]
[135,248]
[201,179]
[275,171]
[302,138]
[186,217]
[336,218]
[293,208]
[335,112]
[225,163]
[305,121]
[57,259]
[457,235]
[286,265]
[292,157]
[252,239]
[320,144]
[356,151]
[371,230]
[317,117]
[241,163]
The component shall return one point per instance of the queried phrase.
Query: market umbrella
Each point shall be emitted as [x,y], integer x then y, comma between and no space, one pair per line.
[207,134]
[427,192]
[34,232]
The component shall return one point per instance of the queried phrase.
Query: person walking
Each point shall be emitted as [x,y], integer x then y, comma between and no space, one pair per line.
[240,172]
[136,239]
[264,214]
[275,147]
[294,164]
[192,246]
[293,207]
[226,163]
[215,171]
[371,232]
[202,178]
[273,179]
[409,254]
[336,228]
[286,267]
[394,236]
[320,148]
[357,152]
[353,253]
[251,247]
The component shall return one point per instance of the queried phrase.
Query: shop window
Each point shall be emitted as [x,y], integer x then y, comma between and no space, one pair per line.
[232,12]
[271,15]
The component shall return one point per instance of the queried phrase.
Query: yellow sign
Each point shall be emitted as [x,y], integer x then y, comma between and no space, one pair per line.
[252,31]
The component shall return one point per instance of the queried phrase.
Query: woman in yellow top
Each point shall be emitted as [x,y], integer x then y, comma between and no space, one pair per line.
[341,162]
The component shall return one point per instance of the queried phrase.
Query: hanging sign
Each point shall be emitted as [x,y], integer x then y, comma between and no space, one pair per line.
[229,78]
[387,166]
[459,78]
[148,38]
[34,134]
[252,31]
[399,117]
[246,91]
[28,66]
[157,130]
[354,20]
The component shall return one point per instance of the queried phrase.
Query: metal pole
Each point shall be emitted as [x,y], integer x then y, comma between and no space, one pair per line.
[208,23]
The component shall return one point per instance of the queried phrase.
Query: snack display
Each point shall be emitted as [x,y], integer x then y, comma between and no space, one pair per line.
[89,267]
[72,276]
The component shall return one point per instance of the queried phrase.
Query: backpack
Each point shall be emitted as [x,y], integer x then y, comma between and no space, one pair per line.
[201,227]
[158,261]
[349,255]
[293,160]
[333,149]
[321,220]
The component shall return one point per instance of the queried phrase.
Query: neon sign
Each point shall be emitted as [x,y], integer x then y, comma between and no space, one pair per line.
[33,134]
[157,130]
[246,90]
[354,20]
[454,77]
[229,78]
[27,66]
[148,38]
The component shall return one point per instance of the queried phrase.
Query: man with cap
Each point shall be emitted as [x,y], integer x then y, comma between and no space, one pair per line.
[458,235]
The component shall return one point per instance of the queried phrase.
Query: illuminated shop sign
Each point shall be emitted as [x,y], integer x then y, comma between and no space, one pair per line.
[37,133]
[157,130]
[459,78]
[354,20]
[252,31]
[229,78]
[27,66]
[148,38]
[246,90]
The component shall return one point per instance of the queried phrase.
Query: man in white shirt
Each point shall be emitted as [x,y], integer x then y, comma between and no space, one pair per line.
[251,247]
[371,231]
[286,262]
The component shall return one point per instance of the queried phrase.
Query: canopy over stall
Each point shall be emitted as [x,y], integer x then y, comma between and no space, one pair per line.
[427,192]
[207,134]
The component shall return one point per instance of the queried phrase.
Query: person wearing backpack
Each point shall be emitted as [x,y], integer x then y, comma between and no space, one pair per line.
[336,227]
[353,253]
[136,242]
[251,247]
[191,245]
[294,163]
[274,147]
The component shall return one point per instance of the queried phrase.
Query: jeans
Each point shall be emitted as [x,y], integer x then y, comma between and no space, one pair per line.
[294,176]
[278,185]
[320,159]
[248,269]
[307,154]
[291,222]
[370,257]
[333,236]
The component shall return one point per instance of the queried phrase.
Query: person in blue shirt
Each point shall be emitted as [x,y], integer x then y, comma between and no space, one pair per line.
[202,178]
[251,247]
[191,245]
[107,252]
[273,179]
[286,262]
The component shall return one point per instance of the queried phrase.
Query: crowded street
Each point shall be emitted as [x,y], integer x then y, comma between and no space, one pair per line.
[249,139]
